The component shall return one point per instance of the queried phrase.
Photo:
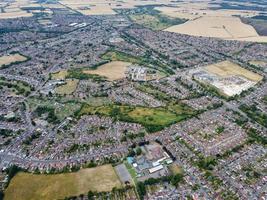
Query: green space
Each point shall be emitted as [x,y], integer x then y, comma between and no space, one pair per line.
[148,17]
[80,75]
[17,87]
[61,109]
[153,119]
[131,171]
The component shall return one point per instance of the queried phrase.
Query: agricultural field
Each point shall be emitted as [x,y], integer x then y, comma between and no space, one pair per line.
[114,70]
[11,59]
[106,7]
[195,10]
[153,119]
[68,88]
[219,27]
[21,8]
[26,186]
[227,68]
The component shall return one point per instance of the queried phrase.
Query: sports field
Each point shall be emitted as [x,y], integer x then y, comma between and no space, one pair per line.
[26,186]
[12,58]
[227,68]
[113,71]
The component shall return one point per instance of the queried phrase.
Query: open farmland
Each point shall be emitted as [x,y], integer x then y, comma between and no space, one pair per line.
[17,8]
[107,7]
[25,186]
[219,27]
[10,59]
[113,71]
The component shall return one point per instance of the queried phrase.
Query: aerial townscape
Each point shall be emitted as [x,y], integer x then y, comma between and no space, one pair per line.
[133,99]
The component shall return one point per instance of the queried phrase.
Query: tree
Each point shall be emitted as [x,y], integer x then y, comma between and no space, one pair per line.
[176,179]
[138,151]
[1,195]
[90,195]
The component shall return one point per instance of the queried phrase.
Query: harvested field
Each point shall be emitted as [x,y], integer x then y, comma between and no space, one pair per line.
[67,88]
[106,7]
[219,27]
[189,11]
[25,186]
[113,71]
[227,68]
[10,59]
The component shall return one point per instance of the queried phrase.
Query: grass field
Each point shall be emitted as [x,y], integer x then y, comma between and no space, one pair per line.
[175,169]
[113,71]
[10,59]
[68,88]
[153,119]
[61,75]
[26,186]
[227,68]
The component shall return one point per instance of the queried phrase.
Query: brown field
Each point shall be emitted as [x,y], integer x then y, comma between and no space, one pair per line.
[9,59]
[227,68]
[106,7]
[220,27]
[113,71]
[199,9]
[14,9]
[175,169]
[26,186]
[67,88]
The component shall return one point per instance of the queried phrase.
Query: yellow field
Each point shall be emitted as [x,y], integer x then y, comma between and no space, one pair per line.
[67,88]
[199,9]
[6,60]
[25,186]
[61,75]
[113,71]
[106,7]
[219,27]
[227,68]
[259,63]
